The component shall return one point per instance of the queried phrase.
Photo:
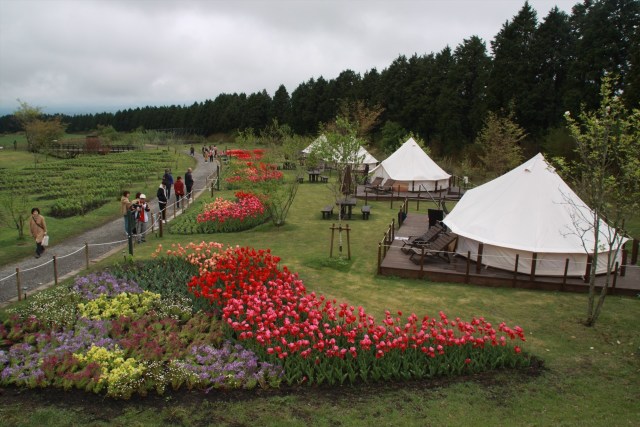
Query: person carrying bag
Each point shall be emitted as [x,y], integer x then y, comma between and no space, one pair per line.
[38,228]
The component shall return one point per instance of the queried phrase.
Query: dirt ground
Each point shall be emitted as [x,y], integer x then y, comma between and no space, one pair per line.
[99,407]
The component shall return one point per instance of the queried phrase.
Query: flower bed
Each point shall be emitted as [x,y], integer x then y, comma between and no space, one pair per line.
[223,215]
[247,171]
[120,337]
[130,345]
[318,340]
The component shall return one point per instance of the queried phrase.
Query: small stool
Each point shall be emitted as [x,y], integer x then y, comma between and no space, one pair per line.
[366,211]
[324,179]
[327,212]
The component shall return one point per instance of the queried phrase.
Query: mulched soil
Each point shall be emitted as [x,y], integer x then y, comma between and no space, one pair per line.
[102,408]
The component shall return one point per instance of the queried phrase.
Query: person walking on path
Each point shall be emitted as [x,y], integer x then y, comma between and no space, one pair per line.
[168,181]
[179,190]
[38,228]
[143,215]
[162,201]
[188,182]
[125,210]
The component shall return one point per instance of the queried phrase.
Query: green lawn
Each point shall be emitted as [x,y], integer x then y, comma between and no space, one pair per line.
[591,375]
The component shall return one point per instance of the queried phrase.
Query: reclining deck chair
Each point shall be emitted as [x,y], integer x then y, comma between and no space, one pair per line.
[424,239]
[373,185]
[439,247]
[387,186]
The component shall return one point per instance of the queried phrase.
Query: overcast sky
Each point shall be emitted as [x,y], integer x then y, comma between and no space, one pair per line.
[90,56]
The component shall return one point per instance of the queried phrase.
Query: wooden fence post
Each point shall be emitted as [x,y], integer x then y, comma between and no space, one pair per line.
[348,244]
[18,284]
[86,255]
[587,273]
[466,275]
[534,260]
[55,270]
[379,257]
[479,259]
[564,277]
[615,279]
[515,271]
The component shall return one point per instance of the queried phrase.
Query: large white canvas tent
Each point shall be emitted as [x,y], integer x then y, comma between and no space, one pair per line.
[411,166]
[529,210]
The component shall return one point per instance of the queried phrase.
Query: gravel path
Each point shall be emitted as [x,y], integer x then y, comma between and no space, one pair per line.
[71,253]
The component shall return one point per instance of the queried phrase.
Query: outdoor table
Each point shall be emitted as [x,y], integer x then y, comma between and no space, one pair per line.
[313,175]
[346,205]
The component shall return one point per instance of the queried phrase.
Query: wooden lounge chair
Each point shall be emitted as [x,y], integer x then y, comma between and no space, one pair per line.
[439,247]
[387,186]
[424,239]
[373,185]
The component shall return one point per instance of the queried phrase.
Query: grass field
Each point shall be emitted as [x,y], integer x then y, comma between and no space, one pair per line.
[591,376]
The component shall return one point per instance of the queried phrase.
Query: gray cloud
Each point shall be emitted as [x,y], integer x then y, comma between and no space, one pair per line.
[77,56]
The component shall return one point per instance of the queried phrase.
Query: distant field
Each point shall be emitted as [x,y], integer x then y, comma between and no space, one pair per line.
[75,194]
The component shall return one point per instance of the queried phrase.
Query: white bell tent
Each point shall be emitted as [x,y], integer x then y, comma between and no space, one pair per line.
[531,212]
[411,166]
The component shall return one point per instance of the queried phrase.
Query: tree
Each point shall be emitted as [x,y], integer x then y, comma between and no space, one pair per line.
[14,209]
[513,74]
[607,178]
[499,144]
[280,194]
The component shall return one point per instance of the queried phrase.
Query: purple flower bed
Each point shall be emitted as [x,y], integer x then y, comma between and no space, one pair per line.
[95,285]
[231,366]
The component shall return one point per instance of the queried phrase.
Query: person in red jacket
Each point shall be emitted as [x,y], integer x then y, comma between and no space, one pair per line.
[178,188]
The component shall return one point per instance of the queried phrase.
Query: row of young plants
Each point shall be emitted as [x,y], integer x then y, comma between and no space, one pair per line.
[73,187]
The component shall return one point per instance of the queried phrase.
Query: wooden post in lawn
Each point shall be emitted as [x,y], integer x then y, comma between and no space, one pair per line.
[379,257]
[479,259]
[160,225]
[515,271]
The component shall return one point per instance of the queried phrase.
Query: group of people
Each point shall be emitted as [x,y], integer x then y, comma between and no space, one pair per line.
[137,212]
[209,153]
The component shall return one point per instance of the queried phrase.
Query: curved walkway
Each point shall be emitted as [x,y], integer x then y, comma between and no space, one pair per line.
[71,256]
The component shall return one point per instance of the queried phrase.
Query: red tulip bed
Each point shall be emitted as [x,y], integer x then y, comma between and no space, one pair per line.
[224,215]
[248,170]
[317,340]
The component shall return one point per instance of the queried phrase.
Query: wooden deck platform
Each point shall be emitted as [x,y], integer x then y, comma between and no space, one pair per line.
[460,270]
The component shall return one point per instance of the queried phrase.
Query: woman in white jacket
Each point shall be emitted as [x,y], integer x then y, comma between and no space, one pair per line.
[143,216]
